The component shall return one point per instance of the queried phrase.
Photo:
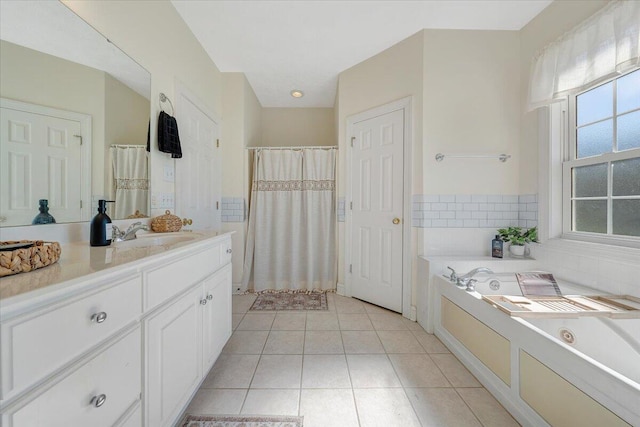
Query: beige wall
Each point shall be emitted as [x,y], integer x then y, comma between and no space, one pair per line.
[155,36]
[471,106]
[54,82]
[558,18]
[298,126]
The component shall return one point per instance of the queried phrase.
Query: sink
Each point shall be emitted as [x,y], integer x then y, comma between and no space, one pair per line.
[156,239]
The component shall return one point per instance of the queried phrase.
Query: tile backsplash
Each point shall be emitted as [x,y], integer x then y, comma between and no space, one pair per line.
[233,209]
[474,211]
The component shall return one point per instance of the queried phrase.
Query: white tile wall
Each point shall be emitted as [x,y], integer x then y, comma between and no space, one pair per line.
[233,209]
[474,211]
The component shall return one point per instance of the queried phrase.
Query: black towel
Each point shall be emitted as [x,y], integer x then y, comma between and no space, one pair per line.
[168,138]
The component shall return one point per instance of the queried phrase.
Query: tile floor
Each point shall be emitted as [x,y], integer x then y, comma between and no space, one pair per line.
[354,365]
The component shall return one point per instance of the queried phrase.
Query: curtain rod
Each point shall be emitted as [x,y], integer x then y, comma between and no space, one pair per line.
[502,157]
[127,146]
[300,147]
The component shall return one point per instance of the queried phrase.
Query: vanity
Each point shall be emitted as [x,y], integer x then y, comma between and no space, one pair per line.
[114,336]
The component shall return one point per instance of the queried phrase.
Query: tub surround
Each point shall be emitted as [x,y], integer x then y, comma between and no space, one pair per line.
[92,339]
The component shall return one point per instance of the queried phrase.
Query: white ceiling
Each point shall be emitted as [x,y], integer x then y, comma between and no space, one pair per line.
[302,44]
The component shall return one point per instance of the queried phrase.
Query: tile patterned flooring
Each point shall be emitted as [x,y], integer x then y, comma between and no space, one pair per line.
[354,365]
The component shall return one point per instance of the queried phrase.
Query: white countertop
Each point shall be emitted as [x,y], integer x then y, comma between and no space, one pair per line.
[80,262]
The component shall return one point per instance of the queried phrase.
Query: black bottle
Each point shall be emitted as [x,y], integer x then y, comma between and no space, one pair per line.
[44,217]
[101,228]
[497,246]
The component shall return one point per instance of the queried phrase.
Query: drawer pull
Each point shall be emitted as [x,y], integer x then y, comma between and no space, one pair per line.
[203,301]
[98,401]
[229,251]
[99,317]
[209,297]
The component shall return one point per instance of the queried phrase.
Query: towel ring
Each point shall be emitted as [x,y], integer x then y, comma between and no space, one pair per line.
[165,98]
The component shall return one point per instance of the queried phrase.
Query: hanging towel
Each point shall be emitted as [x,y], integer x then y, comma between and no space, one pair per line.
[168,138]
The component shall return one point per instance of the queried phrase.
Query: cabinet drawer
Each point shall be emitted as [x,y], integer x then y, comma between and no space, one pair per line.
[225,252]
[38,344]
[115,374]
[164,282]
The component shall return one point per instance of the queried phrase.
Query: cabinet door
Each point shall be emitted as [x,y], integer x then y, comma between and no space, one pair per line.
[174,358]
[217,316]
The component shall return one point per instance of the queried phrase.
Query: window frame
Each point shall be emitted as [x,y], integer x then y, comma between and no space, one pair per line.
[565,130]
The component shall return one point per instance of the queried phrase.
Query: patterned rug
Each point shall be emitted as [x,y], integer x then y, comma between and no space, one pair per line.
[240,421]
[290,301]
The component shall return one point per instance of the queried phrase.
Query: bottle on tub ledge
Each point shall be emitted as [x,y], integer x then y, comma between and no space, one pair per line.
[101,228]
[497,247]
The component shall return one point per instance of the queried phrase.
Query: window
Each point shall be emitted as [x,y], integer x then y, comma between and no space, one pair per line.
[601,172]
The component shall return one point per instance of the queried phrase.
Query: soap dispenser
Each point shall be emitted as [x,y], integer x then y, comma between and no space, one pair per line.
[101,228]
[497,247]
[44,217]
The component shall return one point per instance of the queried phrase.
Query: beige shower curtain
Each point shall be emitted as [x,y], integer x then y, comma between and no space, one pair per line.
[130,180]
[292,221]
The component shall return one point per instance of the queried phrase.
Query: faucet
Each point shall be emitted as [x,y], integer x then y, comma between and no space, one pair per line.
[466,280]
[130,234]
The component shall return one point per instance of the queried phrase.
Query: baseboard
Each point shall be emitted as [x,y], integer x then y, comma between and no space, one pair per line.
[340,290]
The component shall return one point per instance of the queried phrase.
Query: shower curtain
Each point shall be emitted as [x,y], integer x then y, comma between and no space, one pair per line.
[292,222]
[130,179]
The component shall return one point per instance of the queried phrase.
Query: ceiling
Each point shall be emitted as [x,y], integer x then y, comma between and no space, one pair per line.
[302,44]
[52,28]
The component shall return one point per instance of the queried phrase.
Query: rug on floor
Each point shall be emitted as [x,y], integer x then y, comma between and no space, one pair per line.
[290,301]
[240,421]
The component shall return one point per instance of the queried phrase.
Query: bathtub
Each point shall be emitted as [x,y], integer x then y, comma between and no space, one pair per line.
[563,372]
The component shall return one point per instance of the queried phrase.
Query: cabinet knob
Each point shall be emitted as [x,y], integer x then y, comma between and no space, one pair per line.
[98,401]
[229,251]
[203,301]
[209,297]
[99,317]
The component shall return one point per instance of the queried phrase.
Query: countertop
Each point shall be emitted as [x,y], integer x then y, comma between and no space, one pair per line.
[79,262]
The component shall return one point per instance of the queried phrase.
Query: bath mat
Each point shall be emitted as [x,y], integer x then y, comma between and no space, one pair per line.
[269,301]
[240,421]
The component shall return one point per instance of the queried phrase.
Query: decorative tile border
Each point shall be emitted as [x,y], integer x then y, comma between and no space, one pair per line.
[233,209]
[474,211]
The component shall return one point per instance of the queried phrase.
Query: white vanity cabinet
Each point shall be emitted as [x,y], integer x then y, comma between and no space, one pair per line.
[126,346]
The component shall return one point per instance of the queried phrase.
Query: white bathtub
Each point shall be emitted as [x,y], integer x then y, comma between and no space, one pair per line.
[602,363]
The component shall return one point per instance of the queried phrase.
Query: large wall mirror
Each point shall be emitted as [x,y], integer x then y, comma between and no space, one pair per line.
[74,117]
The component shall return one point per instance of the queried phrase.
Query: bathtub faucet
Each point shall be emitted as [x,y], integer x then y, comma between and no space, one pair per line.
[467,281]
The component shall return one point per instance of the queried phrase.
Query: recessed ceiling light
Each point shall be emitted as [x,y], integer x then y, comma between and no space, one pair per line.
[297,93]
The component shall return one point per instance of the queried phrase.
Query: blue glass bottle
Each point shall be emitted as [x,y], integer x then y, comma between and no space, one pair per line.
[44,217]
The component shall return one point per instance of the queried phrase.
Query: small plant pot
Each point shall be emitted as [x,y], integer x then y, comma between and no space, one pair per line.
[517,250]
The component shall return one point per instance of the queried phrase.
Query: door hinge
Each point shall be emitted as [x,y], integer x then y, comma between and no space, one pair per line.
[217,143]
[350,268]
[80,204]
[351,205]
[217,205]
[353,138]
[79,136]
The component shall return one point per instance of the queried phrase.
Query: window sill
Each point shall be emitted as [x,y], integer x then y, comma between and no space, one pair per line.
[576,245]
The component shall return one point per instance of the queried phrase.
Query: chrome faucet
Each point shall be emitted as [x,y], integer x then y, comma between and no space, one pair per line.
[466,281]
[130,234]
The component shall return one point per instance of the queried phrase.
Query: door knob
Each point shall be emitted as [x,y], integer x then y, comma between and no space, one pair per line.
[396,221]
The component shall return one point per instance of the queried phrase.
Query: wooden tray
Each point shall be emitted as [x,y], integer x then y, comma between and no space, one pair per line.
[613,306]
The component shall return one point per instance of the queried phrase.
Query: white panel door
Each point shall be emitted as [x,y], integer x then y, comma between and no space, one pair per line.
[377,211]
[174,358]
[216,328]
[198,171]
[40,158]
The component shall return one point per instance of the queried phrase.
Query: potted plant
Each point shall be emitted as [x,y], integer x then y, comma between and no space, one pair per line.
[518,238]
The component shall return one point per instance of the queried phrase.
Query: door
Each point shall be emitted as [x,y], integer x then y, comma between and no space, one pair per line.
[174,358]
[376,171]
[198,171]
[216,328]
[40,158]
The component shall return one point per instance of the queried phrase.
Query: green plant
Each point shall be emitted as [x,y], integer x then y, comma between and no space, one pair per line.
[517,237]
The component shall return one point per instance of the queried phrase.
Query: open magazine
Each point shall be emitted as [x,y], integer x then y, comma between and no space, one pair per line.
[538,284]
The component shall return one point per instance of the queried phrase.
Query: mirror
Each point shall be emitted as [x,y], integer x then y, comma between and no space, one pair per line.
[74,117]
